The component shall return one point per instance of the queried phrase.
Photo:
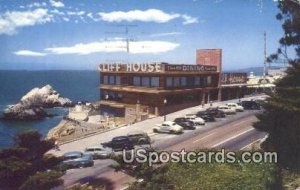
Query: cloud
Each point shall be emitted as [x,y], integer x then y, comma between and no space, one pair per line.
[10,21]
[66,19]
[36,4]
[29,53]
[80,13]
[56,4]
[166,34]
[189,20]
[152,47]
[150,15]
[55,11]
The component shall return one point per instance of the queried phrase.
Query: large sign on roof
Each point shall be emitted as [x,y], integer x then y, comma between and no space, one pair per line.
[131,67]
[234,78]
[190,68]
[154,68]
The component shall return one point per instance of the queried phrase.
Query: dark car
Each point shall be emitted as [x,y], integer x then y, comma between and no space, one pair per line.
[76,159]
[250,105]
[139,138]
[208,117]
[216,112]
[120,143]
[185,123]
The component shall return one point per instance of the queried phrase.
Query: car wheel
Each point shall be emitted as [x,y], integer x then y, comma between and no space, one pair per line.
[155,130]
[172,132]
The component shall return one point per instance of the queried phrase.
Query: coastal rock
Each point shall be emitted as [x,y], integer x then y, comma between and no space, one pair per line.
[19,112]
[64,128]
[31,106]
[45,97]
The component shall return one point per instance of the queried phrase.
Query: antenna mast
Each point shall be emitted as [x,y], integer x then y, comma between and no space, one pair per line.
[265,54]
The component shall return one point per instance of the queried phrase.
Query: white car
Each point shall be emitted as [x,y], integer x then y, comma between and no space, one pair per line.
[99,152]
[227,110]
[196,120]
[168,127]
[235,106]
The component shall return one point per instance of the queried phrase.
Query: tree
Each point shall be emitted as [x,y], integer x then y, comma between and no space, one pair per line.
[281,116]
[26,164]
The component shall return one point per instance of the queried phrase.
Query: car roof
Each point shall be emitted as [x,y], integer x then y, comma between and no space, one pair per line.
[136,133]
[120,138]
[73,153]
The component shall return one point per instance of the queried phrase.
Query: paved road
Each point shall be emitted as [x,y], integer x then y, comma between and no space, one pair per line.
[233,133]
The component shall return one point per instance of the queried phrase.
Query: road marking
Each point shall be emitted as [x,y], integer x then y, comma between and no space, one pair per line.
[241,122]
[203,137]
[233,137]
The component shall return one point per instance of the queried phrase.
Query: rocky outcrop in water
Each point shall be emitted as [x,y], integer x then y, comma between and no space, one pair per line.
[31,106]
[45,97]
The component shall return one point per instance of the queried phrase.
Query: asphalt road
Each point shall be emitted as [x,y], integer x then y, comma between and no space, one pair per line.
[232,133]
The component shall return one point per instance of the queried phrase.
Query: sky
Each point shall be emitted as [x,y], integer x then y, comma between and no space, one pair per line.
[78,34]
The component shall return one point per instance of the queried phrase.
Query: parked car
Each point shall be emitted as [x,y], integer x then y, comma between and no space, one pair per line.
[99,152]
[168,127]
[235,106]
[227,110]
[185,123]
[250,105]
[120,143]
[139,138]
[76,159]
[196,120]
[208,117]
[216,112]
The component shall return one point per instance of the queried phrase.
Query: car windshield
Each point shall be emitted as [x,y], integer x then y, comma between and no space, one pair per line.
[70,157]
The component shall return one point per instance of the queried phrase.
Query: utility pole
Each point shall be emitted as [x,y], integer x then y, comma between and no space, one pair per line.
[127,40]
[265,54]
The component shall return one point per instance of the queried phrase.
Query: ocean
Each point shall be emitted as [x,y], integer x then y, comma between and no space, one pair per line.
[75,85]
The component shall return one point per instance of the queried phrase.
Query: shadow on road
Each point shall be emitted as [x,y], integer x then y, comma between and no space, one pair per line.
[104,182]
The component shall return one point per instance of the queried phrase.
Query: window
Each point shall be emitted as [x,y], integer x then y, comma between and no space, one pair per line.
[209,80]
[112,79]
[124,80]
[105,79]
[190,81]
[169,82]
[183,81]
[204,81]
[146,81]
[197,81]
[176,81]
[118,80]
[136,81]
[154,81]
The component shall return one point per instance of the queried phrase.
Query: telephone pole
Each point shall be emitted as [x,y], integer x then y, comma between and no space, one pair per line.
[265,54]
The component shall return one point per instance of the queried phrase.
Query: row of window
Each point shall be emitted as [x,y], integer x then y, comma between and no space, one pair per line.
[154,81]
[188,81]
[112,79]
[146,81]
